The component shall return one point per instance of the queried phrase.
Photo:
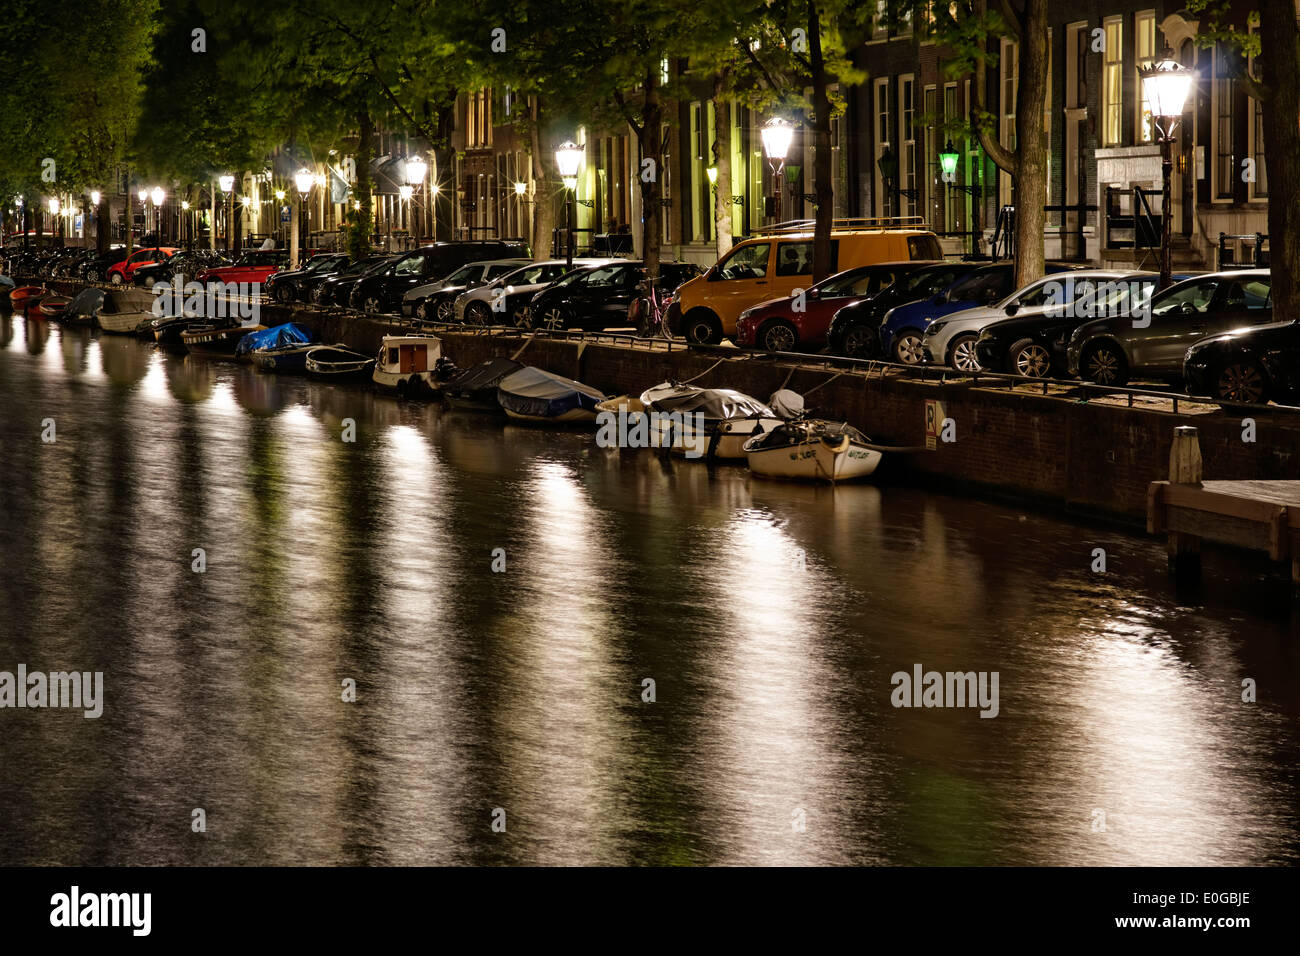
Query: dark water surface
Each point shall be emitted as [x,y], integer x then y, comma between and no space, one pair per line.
[770,616]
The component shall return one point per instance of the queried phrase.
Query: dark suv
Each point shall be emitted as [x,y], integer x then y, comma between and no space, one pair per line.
[598,297]
[382,290]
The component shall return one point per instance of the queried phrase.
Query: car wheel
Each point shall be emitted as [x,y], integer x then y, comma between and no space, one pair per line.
[702,328]
[778,337]
[861,341]
[115,278]
[1104,364]
[422,310]
[283,294]
[372,303]
[1242,381]
[446,311]
[961,354]
[476,313]
[553,319]
[1030,359]
[92,275]
[907,348]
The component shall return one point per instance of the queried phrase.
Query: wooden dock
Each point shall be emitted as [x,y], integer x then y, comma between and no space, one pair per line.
[1260,515]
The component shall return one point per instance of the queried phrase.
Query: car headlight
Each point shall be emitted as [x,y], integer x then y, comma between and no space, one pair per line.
[934,328]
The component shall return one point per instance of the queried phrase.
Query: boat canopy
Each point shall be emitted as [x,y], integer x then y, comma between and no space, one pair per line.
[531,382]
[484,375]
[87,301]
[277,336]
[717,404]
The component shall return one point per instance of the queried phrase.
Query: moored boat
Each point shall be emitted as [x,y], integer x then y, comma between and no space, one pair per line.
[283,359]
[53,306]
[123,323]
[812,450]
[476,388]
[729,418]
[218,341]
[26,296]
[535,395]
[408,364]
[337,363]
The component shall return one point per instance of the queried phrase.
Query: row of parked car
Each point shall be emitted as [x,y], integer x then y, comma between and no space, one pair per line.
[1213,333]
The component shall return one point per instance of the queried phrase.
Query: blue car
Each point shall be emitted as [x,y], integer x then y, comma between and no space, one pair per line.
[902,327]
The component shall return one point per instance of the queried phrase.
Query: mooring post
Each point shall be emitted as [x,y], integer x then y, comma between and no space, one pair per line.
[1185,469]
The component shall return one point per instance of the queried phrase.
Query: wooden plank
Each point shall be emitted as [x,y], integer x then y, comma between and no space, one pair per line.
[1276,491]
[1279,542]
[1207,500]
[1222,529]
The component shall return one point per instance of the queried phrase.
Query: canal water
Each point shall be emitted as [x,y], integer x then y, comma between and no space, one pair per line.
[769,616]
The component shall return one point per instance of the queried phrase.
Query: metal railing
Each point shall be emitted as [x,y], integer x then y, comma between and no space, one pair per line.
[1229,255]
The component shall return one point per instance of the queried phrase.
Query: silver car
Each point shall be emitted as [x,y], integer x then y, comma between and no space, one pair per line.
[951,339]
[468,276]
[1110,351]
[510,291]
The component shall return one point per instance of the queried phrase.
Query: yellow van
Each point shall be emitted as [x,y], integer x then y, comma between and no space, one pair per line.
[772,266]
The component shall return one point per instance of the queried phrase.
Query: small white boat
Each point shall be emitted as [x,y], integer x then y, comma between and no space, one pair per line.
[812,450]
[406,364]
[124,323]
[729,419]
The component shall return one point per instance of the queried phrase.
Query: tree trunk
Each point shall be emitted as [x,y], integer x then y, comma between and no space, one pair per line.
[1280,62]
[101,237]
[1031,145]
[722,162]
[652,147]
[821,149]
[543,207]
[358,220]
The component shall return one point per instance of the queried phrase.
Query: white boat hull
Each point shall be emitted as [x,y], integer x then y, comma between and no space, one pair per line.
[814,461]
[733,434]
[572,415]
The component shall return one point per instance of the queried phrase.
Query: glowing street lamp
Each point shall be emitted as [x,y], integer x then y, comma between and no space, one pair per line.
[777,134]
[54,206]
[94,197]
[568,157]
[304,180]
[279,195]
[227,183]
[521,188]
[1165,84]
[158,195]
[416,168]
[948,162]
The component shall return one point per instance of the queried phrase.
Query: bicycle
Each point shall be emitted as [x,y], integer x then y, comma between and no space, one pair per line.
[648,312]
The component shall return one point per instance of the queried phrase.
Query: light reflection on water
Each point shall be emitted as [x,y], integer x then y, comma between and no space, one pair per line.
[769,617]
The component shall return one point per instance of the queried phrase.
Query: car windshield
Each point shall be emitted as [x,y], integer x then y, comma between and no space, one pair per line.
[319,263]
[980,287]
[463,274]
[849,283]
[1192,296]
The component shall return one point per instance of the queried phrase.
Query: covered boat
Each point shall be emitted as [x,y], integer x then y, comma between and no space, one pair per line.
[476,388]
[532,394]
[337,363]
[85,305]
[730,419]
[277,336]
[408,364]
[812,450]
[52,306]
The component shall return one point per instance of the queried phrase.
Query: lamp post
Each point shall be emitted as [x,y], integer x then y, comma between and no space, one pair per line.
[303,180]
[416,170]
[568,157]
[1165,84]
[158,195]
[776,134]
[53,206]
[227,183]
[948,157]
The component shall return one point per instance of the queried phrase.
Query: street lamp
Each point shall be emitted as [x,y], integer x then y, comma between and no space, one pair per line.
[303,179]
[948,157]
[189,231]
[227,183]
[157,195]
[1165,84]
[568,157]
[777,134]
[416,169]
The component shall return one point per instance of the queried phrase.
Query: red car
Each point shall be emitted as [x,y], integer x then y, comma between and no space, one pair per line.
[778,326]
[124,272]
[250,267]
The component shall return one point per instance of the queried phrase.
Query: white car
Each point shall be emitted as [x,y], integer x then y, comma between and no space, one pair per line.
[514,289]
[951,339]
[468,276]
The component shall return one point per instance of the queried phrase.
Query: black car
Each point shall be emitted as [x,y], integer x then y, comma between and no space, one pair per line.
[96,270]
[335,289]
[598,297]
[1256,364]
[855,329]
[284,286]
[1036,345]
[382,290]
